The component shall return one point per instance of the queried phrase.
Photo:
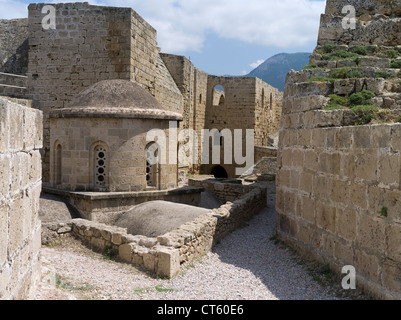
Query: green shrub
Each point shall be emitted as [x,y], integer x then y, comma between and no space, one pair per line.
[365,113]
[336,102]
[355,74]
[385,74]
[344,54]
[361,98]
[361,50]
[328,48]
[392,54]
[311,66]
[396,64]
[340,73]
[320,79]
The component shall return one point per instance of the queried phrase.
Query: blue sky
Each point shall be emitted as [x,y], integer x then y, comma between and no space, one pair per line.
[220,36]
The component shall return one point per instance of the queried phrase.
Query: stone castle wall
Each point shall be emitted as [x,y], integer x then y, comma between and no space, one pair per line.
[338,180]
[90,44]
[377,23]
[14,46]
[20,187]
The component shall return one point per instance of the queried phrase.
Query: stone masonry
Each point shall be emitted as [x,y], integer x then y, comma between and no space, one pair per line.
[164,255]
[20,187]
[338,183]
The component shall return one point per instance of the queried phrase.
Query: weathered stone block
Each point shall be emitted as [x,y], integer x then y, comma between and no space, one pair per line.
[125,251]
[325,216]
[393,250]
[367,265]
[389,164]
[371,233]
[374,62]
[346,224]
[168,262]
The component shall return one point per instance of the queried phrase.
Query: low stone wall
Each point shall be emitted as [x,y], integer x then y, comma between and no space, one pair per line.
[163,256]
[264,152]
[20,185]
[224,189]
[106,207]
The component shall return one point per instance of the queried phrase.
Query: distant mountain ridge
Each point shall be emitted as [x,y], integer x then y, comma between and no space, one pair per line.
[274,70]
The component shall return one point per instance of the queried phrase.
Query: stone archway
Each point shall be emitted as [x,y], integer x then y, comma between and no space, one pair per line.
[219,172]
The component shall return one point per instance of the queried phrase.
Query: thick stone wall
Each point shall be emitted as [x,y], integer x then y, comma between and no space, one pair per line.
[192,84]
[163,256]
[20,187]
[338,180]
[14,46]
[91,44]
[377,23]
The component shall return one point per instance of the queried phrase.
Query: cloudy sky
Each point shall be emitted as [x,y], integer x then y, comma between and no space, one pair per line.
[220,36]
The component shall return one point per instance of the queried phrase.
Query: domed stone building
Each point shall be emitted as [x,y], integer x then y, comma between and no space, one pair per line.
[99,142]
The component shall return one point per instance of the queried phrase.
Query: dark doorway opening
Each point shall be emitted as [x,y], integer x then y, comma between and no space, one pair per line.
[219,172]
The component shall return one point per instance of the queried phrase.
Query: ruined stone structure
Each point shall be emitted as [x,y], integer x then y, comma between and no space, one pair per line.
[163,255]
[101,84]
[338,184]
[93,43]
[20,187]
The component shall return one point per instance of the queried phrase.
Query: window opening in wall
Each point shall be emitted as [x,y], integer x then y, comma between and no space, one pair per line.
[58,164]
[100,167]
[219,172]
[263,98]
[217,139]
[219,96]
[271,101]
[152,152]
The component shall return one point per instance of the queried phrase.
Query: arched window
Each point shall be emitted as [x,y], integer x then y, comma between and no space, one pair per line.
[58,164]
[100,166]
[263,98]
[152,163]
[219,96]
[271,101]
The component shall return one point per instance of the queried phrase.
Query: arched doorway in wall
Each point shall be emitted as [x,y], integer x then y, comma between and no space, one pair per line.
[219,172]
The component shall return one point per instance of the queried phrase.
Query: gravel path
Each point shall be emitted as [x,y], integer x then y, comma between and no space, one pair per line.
[245,265]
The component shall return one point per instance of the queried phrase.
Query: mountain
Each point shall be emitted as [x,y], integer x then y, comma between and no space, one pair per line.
[274,70]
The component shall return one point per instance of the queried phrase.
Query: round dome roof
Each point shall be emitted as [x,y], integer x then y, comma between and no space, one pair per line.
[122,98]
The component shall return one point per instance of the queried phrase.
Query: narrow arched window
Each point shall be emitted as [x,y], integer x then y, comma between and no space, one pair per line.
[263,98]
[100,166]
[152,161]
[58,165]
[219,96]
[271,101]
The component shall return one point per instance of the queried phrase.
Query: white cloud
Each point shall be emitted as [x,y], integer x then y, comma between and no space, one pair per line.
[256,64]
[184,24]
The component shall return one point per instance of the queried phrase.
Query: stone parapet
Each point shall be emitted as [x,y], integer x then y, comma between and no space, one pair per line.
[20,187]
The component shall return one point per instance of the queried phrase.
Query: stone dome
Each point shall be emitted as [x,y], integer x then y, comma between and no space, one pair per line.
[116,98]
